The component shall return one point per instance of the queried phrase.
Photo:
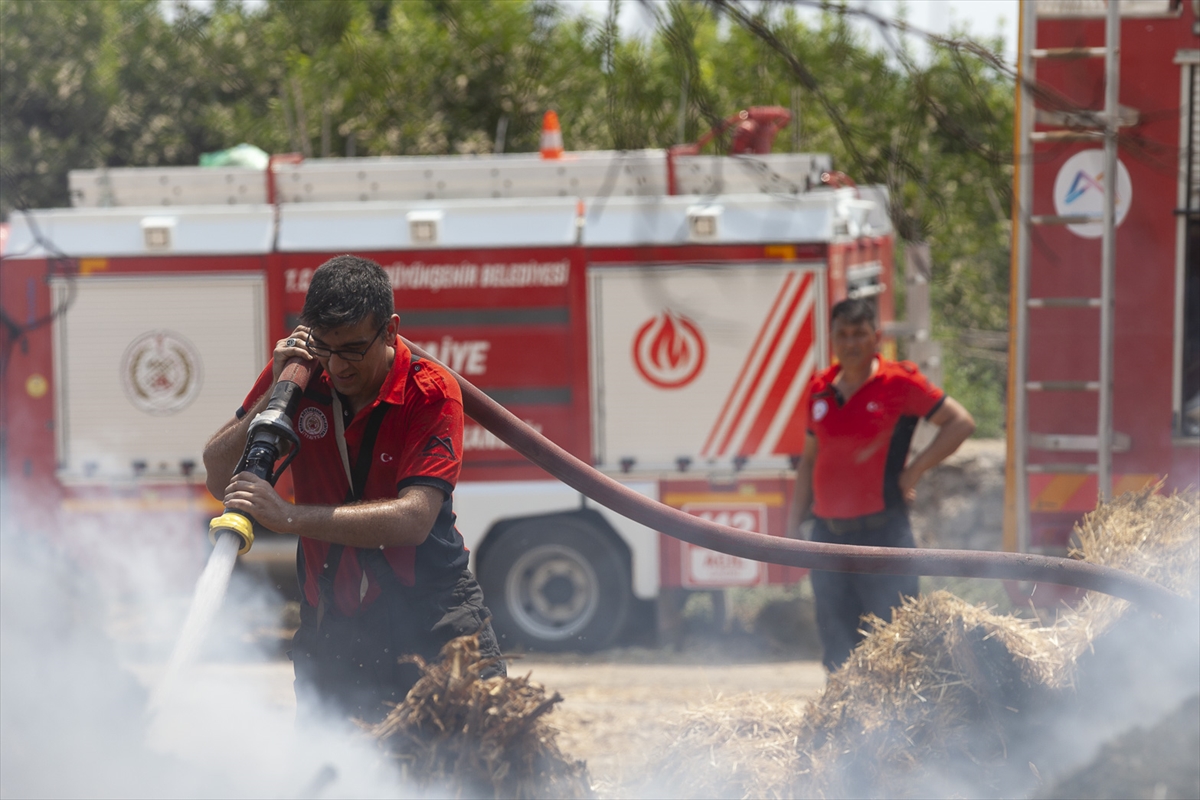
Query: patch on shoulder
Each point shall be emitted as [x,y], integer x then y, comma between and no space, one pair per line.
[440,447]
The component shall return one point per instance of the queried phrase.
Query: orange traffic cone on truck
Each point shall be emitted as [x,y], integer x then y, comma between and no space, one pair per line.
[552,141]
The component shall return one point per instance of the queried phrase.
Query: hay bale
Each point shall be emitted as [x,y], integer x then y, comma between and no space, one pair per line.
[461,736]
[1152,535]
[928,703]
[925,703]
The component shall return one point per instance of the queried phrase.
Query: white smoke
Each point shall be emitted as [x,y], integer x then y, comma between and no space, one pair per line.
[87,622]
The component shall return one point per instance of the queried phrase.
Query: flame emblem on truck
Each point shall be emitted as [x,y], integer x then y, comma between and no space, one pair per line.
[161,372]
[668,350]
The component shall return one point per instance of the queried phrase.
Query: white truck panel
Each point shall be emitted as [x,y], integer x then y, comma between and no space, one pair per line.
[167,186]
[202,230]
[363,227]
[418,178]
[743,218]
[602,174]
[148,366]
[479,506]
[703,362]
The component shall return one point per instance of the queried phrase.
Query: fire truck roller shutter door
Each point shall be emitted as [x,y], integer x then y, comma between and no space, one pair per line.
[554,583]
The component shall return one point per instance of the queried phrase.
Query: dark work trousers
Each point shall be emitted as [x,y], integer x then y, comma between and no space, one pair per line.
[348,667]
[842,598]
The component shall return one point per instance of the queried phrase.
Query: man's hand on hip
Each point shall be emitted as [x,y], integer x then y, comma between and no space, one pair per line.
[803,531]
[955,424]
[908,484]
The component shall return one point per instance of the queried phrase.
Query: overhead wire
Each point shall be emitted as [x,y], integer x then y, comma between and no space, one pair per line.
[58,264]
[15,332]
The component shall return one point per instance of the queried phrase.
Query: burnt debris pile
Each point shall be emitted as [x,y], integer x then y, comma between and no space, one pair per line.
[951,699]
[1154,761]
[461,736]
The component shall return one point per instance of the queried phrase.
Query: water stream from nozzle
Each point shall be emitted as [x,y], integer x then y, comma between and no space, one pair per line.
[271,436]
[206,601]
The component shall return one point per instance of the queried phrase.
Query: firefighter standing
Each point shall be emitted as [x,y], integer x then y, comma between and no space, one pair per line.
[861,414]
[382,569]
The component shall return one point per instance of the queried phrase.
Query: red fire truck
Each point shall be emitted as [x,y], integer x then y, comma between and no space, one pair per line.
[655,313]
[1104,389]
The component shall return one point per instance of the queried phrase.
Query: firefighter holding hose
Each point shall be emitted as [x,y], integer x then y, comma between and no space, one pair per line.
[861,414]
[382,569]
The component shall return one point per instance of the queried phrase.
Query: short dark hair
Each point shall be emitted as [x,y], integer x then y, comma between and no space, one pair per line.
[345,290]
[853,311]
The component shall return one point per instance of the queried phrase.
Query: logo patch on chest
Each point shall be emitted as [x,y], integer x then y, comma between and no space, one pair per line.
[819,410]
[874,407]
[312,423]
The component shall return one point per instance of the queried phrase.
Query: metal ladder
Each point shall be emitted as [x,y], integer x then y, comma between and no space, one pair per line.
[1105,127]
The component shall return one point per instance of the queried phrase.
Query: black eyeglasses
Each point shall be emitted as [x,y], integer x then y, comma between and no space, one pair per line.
[320,351]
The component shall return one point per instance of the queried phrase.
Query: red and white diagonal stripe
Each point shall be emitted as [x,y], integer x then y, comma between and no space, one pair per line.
[757,412]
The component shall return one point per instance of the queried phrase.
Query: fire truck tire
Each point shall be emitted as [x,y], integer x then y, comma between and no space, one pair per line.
[556,583]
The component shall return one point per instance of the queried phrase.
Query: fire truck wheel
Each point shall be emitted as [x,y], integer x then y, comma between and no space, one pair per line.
[556,583]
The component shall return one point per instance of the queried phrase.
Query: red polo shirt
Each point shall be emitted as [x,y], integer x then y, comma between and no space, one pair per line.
[862,443]
[419,442]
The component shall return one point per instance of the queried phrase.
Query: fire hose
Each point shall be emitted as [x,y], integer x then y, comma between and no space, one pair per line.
[272,429]
[793,552]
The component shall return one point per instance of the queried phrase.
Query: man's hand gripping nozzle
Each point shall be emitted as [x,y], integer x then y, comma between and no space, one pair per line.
[271,435]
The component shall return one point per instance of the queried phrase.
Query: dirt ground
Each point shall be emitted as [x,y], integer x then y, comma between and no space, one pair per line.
[618,712]
[618,706]
[621,707]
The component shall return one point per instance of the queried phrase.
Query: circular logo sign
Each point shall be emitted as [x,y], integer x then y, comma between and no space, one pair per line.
[668,351]
[819,409]
[161,372]
[312,423]
[1079,189]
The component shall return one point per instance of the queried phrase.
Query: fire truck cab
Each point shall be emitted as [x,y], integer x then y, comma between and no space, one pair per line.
[656,314]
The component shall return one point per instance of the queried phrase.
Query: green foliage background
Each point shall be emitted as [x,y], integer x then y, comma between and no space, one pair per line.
[121,83]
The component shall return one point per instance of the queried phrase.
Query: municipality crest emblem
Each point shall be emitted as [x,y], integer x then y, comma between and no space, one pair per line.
[161,372]
[312,423]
